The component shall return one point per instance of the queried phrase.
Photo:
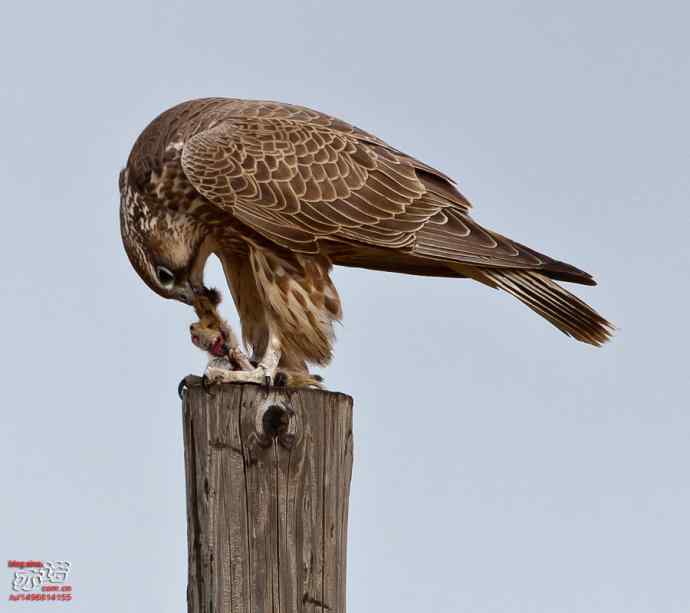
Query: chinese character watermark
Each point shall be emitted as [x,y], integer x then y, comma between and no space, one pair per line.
[37,581]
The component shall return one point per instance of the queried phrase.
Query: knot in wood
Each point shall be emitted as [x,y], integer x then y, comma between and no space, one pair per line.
[275,425]
[276,420]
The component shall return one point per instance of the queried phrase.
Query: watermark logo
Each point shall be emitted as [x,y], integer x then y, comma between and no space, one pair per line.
[37,581]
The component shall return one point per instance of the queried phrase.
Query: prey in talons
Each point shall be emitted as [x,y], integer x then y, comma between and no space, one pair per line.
[212,334]
[227,362]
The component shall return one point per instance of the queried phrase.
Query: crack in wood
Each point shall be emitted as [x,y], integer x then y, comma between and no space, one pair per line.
[307,599]
[220,445]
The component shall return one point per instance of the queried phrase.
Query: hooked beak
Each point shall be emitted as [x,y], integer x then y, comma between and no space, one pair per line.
[188,293]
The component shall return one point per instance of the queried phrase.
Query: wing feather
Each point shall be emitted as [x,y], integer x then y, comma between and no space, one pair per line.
[299,178]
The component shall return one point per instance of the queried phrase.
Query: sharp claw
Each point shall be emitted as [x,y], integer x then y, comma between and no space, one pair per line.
[267,381]
[206,384]
[186,383]
[182,388]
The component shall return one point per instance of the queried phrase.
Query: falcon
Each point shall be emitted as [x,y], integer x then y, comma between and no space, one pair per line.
[281,193]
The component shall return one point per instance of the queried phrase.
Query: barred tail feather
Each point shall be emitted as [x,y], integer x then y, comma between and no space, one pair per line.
[545,297]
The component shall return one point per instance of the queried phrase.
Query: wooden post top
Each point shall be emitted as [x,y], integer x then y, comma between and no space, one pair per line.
[268,478]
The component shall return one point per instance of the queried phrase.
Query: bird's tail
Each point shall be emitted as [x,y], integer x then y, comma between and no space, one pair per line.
[545,297]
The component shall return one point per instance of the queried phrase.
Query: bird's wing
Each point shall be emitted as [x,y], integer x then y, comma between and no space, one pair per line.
[299,183]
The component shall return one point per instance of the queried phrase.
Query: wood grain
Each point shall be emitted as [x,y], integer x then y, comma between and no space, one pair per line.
[268,481]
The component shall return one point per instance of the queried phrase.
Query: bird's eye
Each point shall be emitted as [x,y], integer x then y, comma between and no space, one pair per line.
[165,277]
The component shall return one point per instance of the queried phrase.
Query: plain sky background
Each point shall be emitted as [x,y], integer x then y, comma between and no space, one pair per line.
[499,466]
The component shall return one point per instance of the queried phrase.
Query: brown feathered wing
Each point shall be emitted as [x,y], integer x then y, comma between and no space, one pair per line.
[311,187]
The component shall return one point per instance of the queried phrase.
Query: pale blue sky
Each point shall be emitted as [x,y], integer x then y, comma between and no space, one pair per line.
[499,467]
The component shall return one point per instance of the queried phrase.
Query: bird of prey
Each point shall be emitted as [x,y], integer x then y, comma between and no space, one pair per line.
[281,193]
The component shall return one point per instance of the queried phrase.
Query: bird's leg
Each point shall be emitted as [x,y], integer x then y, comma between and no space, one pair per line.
[264,373]
[272,355]
[228,363]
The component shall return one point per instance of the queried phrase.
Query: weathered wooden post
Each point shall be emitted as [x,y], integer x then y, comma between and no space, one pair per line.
[268,480]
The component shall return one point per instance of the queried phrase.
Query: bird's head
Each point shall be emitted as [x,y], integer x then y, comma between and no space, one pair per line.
[167,249]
